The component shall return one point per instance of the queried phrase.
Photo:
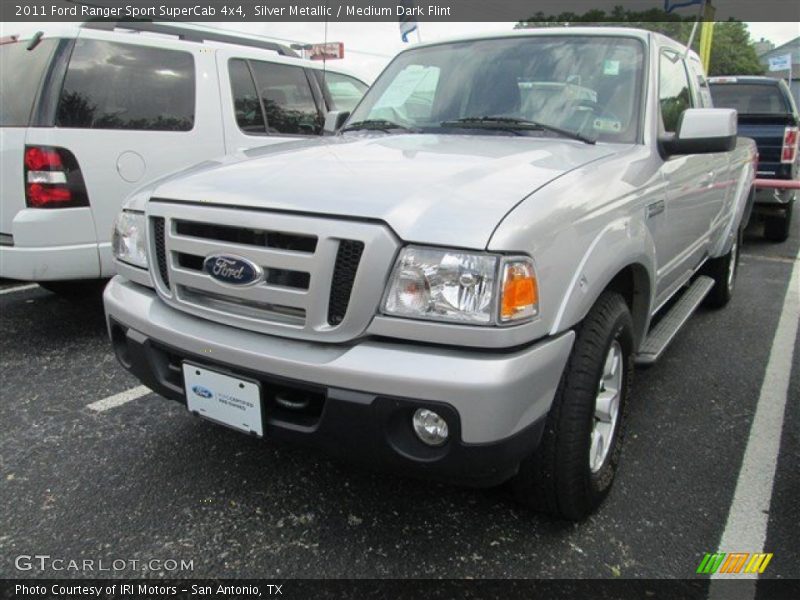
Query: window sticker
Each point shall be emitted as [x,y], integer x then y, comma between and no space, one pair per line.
[611,67]
[608,125]
[405,84]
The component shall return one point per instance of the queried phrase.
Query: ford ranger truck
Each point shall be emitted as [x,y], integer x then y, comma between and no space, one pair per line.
[767,114]
[458,283]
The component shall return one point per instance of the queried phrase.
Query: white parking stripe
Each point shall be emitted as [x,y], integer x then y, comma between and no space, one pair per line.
[119,399]
[746,528]
[18,288]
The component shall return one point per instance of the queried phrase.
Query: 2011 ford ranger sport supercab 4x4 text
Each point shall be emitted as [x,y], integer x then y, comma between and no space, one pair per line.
[458,284]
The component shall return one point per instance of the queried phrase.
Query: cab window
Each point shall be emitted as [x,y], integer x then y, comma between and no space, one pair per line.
[674,91]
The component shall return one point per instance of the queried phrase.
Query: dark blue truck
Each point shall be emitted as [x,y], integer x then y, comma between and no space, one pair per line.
[767,114]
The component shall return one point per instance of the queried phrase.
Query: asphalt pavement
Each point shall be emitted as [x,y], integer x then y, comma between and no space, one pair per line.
[142,479]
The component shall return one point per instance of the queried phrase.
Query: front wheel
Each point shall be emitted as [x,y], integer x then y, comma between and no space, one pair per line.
[571,472]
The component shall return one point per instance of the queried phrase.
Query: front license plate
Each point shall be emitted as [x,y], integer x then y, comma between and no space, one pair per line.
[231,401]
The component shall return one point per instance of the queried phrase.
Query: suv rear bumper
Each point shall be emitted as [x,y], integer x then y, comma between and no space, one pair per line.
[52,244]
[364,394]
[50,263]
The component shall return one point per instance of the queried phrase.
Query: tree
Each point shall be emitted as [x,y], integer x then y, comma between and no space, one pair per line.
[732,50]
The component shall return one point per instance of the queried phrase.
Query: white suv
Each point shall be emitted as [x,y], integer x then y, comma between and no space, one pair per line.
[88,117]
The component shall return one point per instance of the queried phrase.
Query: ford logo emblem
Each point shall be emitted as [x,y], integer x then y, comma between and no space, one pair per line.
[232,270]
[201,391]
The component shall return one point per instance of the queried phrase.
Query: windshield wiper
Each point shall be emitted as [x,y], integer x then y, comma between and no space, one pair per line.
[376,125]
[514,124]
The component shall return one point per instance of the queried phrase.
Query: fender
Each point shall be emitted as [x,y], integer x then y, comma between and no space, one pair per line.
[738,208]
[621,244]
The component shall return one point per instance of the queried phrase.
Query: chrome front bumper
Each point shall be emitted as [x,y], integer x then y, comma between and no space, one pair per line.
[495,394]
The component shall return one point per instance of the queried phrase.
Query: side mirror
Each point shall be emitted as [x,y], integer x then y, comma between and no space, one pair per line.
[702,131]
[334,121]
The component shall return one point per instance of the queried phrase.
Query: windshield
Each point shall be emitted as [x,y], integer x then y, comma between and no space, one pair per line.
[586,85]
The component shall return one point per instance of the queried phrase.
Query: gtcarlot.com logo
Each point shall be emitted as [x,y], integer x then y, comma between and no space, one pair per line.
[45,562]
[733,563]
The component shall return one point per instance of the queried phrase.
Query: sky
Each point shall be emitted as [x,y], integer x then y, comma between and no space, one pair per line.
[369,46]
[363,41]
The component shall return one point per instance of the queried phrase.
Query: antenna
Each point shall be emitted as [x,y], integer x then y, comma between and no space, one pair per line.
[694,28]
[325,54]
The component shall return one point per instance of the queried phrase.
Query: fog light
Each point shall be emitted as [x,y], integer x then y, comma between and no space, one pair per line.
[430,427]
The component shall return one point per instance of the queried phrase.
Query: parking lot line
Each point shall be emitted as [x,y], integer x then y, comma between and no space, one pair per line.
[119,399]
[746,527]
[780,259]
[18,288]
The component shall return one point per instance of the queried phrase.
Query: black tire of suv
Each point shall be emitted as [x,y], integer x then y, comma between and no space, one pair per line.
[557,479]
[719,270]
[777,228]
[76,290]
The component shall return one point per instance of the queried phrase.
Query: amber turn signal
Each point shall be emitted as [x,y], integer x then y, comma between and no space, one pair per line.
[520,299]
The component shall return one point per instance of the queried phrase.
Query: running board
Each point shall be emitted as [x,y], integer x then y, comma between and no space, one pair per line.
[662,334]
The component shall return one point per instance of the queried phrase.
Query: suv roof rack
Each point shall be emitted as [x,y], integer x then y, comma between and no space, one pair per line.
[188,34]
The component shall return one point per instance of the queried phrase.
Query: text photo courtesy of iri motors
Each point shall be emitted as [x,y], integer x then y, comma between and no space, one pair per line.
[388,299]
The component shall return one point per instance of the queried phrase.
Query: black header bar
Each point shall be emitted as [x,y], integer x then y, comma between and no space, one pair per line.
[379,10]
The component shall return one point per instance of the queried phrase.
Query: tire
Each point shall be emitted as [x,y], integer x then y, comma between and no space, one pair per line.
[723,270]
[76,290]
[559,478]
[777,228]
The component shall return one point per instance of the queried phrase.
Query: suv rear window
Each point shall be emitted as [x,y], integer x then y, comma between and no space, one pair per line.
[125,86]
[750,98]
[21,72]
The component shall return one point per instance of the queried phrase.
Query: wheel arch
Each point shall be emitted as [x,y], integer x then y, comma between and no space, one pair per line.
[632,282]
[621,258]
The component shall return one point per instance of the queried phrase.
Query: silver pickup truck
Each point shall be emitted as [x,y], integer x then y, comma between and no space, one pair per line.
[459,282]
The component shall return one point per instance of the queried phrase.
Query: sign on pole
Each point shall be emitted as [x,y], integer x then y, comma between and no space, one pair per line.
[670,5]
[326,51]
[780,63]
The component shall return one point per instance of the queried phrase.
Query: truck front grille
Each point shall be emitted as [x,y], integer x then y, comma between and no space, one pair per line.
[161,254]
[315,282]
[248,236]
[344,274]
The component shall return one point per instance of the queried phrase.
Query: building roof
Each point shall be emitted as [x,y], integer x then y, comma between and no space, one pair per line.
[791,47]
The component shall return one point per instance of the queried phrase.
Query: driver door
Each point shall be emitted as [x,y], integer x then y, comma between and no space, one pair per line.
[689,206]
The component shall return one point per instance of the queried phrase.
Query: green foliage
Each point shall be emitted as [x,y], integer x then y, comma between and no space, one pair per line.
[732,51]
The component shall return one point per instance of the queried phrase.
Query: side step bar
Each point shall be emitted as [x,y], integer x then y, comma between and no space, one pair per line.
[662,334]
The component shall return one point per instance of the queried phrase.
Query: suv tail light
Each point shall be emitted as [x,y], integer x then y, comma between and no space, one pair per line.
[53,178]
[789,151]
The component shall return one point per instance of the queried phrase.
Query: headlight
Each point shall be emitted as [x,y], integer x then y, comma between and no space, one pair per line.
[429,283]
[461,287]
[129,240]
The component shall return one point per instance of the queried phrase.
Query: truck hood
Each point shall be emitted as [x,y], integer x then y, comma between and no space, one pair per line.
[436,189]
